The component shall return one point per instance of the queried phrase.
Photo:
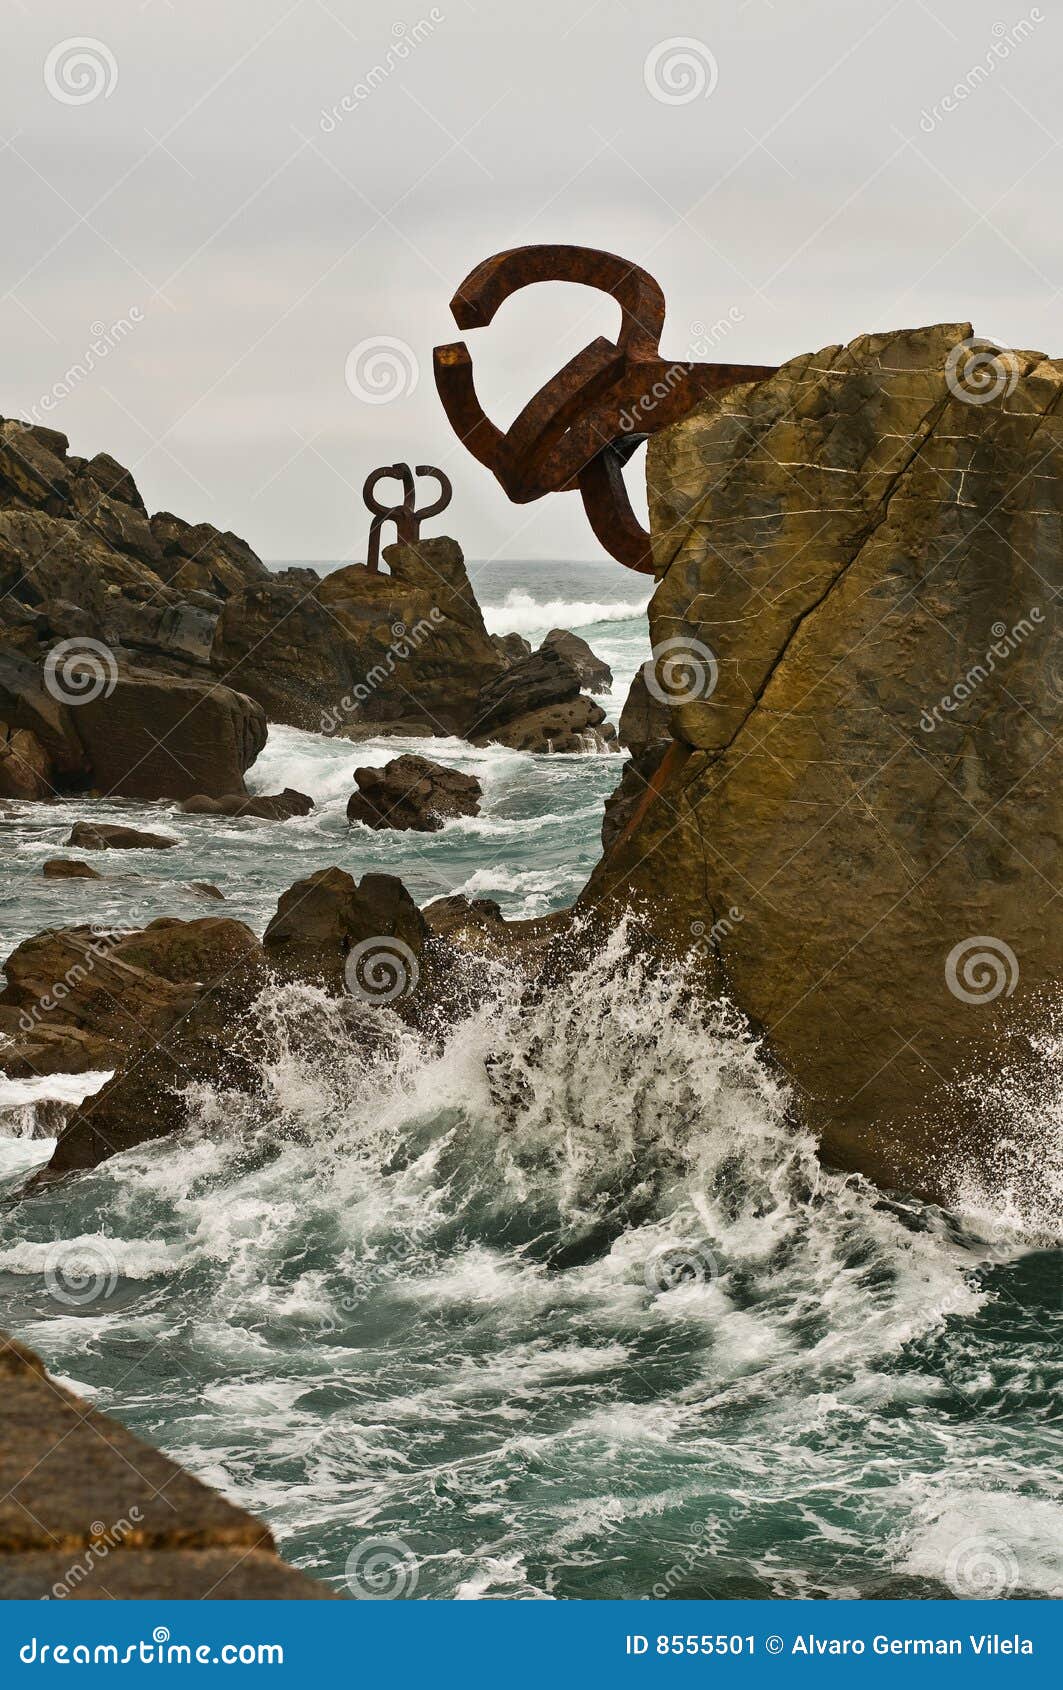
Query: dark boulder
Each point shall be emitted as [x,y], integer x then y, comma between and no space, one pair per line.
[68,868]
[161,736]
[362,939]
[272,807]
[412,794]
[511,647]
[594,673]
[536,705]
[102,836]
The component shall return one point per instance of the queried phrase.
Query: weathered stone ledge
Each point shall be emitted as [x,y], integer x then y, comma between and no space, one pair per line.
[89,1510]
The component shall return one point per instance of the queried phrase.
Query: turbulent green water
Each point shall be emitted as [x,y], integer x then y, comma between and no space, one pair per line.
[753,1377]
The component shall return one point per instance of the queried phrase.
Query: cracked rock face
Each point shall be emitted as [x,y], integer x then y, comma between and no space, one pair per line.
[856,623]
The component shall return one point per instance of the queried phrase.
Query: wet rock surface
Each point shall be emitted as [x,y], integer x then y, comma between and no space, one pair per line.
[412,793]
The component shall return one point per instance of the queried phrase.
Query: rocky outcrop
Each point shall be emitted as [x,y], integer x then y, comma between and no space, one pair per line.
[860,816]
[134,735]
[593,672]
[102,836]
[412,794]
[420,651]
[80,997]
[88,1511]
[270,807]
[125,608]
[511,647]
[160,736]
[644,730]
[277,643]
[536,705]
[636,789]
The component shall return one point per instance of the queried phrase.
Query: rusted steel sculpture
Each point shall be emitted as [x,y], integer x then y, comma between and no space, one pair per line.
[582,426]
[405,516]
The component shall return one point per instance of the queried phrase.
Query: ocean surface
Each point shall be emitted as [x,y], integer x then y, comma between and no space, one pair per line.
[755,1377]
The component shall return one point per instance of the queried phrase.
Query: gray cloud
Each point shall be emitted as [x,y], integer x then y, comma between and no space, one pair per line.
[821,189]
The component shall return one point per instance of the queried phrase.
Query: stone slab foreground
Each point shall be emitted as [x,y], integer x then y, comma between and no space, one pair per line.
[89,1510]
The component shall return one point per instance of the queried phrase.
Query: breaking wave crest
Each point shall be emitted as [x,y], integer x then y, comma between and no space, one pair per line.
[510,1293]
[521,613]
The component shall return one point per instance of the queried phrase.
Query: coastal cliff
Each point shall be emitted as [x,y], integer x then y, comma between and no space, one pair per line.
[857,827]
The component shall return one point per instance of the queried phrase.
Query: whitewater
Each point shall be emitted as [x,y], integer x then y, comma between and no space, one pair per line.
[562,1306]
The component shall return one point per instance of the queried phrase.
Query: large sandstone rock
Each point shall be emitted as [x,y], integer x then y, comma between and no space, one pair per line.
[90,1512]
[418,647]
[412,794]
[161,736]
[860,559]
[645,718]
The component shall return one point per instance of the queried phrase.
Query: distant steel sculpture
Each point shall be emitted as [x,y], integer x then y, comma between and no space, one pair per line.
[405,516]
[582,426]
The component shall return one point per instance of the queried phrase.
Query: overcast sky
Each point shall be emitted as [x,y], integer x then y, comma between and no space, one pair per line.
[192,174]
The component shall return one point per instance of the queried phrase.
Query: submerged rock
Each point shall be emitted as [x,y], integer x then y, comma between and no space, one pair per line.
[856,828]
[412,794]
[68,868]
[273,807]
[102,836]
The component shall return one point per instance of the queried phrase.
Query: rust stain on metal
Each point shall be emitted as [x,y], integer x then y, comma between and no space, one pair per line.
[578,431]
[405,515]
